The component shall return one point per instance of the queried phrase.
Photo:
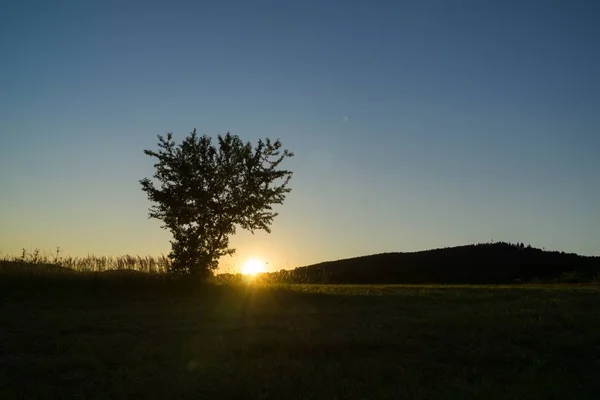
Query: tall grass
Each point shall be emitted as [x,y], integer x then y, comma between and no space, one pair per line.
[37,261]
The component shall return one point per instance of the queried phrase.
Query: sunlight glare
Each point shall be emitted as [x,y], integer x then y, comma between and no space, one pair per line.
[253,267]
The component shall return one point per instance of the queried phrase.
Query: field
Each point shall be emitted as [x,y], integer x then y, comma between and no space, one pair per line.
[119,337]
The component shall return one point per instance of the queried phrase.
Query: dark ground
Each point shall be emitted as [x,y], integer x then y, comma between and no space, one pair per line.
[78,338]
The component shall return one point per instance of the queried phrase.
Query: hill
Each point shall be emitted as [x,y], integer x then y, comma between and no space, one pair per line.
[489,263]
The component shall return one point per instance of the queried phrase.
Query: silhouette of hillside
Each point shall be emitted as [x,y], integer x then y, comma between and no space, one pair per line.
[489,263]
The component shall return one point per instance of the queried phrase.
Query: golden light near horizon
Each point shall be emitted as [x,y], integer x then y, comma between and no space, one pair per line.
[253,267]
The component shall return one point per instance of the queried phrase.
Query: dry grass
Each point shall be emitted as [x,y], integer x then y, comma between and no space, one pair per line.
[38,262]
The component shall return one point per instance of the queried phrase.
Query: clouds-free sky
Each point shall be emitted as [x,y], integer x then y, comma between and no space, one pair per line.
[415,124]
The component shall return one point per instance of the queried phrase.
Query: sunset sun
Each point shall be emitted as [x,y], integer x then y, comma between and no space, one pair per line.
[253,267]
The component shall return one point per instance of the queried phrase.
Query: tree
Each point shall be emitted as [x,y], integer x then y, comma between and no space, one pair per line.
[207,191]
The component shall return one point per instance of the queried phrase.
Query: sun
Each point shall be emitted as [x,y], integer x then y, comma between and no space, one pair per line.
[253,267]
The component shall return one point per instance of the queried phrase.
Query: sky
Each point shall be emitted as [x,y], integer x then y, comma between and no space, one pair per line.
[415,124]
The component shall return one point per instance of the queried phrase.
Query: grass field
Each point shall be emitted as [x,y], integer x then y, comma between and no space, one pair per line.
[107,337]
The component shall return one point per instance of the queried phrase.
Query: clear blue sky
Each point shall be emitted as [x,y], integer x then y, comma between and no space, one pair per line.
[416,124]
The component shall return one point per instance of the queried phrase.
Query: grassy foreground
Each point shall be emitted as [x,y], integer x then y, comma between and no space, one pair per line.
[68,337]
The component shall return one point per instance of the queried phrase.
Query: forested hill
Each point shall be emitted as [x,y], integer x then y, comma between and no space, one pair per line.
[479,263]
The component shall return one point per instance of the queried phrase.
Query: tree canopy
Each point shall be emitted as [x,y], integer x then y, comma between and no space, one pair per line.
[202,192]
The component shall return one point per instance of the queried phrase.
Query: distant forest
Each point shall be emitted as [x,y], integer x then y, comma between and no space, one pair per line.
[488,263]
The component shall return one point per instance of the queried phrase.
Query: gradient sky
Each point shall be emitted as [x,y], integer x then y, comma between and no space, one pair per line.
[416,124]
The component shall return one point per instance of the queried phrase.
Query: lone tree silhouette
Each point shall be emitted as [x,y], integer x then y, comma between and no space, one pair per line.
[206,191]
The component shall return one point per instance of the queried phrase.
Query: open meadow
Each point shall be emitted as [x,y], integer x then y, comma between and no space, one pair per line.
[129,336]
[300,200]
